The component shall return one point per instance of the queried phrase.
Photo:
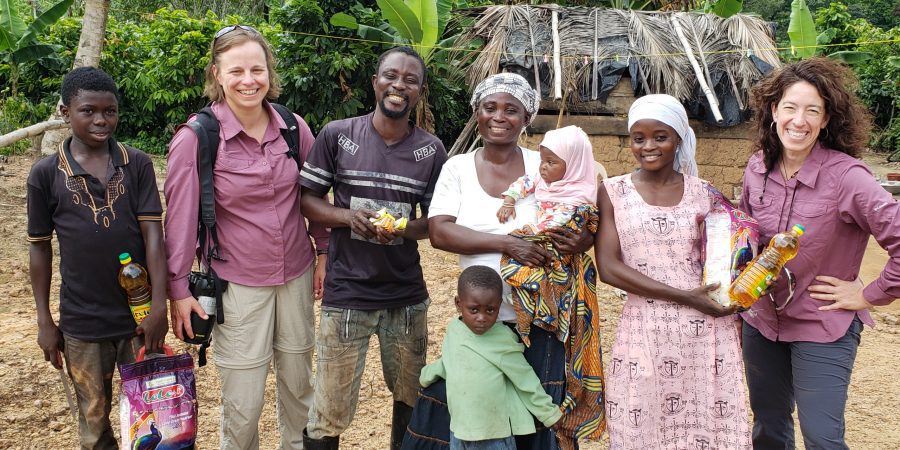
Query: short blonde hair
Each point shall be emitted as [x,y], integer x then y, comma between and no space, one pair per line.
[239,36]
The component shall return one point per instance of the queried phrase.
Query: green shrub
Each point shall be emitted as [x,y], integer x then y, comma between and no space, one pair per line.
[879,82]
[159,66]
[324,78]
[18,112]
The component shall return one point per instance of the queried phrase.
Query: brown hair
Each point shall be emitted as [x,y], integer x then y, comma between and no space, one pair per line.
[849,122]
[229,40]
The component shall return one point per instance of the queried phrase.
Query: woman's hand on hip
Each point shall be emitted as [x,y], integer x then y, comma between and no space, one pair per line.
[846,295]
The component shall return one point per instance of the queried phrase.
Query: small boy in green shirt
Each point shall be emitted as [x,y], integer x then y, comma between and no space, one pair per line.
[492,391]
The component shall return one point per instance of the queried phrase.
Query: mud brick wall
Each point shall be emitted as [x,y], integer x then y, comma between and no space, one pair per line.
[722,153]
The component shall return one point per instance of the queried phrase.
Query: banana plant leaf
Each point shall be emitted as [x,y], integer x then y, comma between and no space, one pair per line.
[727,8]
[378,35]
[802,30]
[344,20]
[49,17]
[381,36]
[11,24]
[402,19]
[444,7]
[426,12]
[825,37]
[7,41]
[32,53]
[851,57]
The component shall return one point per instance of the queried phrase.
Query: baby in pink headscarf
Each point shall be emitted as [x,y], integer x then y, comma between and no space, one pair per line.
[566,180]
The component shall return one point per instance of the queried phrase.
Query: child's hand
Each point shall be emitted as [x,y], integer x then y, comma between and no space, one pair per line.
[154,328]
[51,342]
[506,212]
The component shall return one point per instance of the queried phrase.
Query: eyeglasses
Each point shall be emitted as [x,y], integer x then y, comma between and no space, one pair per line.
[231,28]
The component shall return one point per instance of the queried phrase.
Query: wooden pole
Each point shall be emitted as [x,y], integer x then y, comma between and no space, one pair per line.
[534,57]
[594,73]
[710,96]
[31,131]
[557,67]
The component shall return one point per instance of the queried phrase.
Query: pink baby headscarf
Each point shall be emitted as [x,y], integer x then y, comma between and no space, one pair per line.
[579,185]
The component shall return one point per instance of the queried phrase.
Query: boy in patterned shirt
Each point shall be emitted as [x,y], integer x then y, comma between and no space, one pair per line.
[100,198]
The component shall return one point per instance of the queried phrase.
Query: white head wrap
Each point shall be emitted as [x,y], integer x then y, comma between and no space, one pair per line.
[511,83]
[669,110]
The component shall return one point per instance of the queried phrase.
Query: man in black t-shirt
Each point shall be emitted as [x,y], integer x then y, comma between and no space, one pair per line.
[373,282]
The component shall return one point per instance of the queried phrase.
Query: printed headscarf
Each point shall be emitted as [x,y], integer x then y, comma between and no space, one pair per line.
[670,111]
[579,184]
[511,83]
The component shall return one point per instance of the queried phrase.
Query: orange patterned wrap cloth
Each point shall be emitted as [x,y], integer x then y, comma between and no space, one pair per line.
[562,299]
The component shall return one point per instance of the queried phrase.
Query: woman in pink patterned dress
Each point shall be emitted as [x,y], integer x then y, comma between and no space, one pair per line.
[675,379]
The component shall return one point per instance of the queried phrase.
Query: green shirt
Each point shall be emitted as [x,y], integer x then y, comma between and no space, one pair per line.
[491,390]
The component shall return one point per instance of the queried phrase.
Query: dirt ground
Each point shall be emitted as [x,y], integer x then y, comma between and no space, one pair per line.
[34,415]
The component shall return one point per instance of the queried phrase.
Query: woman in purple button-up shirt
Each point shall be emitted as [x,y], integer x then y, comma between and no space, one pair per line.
[265,247]
[800,341]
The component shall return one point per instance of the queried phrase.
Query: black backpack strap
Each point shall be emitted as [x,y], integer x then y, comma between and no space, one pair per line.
[206,127]
[291,135]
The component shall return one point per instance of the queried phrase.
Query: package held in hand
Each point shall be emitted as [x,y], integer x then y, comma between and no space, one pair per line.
[730,240]
[158,403]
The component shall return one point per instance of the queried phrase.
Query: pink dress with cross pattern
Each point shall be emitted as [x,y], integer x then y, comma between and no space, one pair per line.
[676,378]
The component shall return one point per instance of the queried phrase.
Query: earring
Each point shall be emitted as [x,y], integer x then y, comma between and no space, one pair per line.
[827,134]
[772,125]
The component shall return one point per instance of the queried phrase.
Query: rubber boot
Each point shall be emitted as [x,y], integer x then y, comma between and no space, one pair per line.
[326,443]
[399,423]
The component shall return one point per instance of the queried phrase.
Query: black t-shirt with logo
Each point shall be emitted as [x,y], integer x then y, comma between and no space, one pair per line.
[94,223]
[350,157]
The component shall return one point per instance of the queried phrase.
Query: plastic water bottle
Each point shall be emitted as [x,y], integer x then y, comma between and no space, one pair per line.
[133,278]
[748,286]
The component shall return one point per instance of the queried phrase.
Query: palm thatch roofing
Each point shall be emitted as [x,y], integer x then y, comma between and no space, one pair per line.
[596,46]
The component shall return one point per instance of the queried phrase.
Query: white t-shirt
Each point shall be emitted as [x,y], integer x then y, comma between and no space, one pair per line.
[459,194]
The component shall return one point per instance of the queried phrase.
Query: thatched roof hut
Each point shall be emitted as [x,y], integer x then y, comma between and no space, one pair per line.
[579,55]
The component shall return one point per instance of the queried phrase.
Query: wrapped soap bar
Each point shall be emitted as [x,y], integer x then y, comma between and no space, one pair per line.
[730,240]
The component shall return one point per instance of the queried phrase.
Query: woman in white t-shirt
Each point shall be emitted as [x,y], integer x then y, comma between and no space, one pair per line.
[463,220]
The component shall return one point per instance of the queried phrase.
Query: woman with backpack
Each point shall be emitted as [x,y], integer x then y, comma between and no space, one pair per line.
[262,244]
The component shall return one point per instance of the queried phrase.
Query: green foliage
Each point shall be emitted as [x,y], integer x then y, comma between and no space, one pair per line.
[18,112]
[18,41]
[879,81]
[802,30]
[159,66]
[837,25]
[883,14]
[324,78]
[724,8]
[850,57]
[255,11]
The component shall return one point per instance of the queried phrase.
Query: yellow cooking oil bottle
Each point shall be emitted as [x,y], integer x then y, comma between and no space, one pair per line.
[133,278]
[754,279]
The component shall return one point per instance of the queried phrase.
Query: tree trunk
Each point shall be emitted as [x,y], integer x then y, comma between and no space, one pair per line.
[90,47]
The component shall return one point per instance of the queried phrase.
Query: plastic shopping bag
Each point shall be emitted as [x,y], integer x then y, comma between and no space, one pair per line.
[158,403]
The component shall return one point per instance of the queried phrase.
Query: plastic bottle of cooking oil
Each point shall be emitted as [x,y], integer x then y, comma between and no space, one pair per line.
[133,278]
[748,286]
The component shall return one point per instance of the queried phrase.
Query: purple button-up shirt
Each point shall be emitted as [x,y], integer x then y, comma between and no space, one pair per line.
[839,202]
[263,239]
